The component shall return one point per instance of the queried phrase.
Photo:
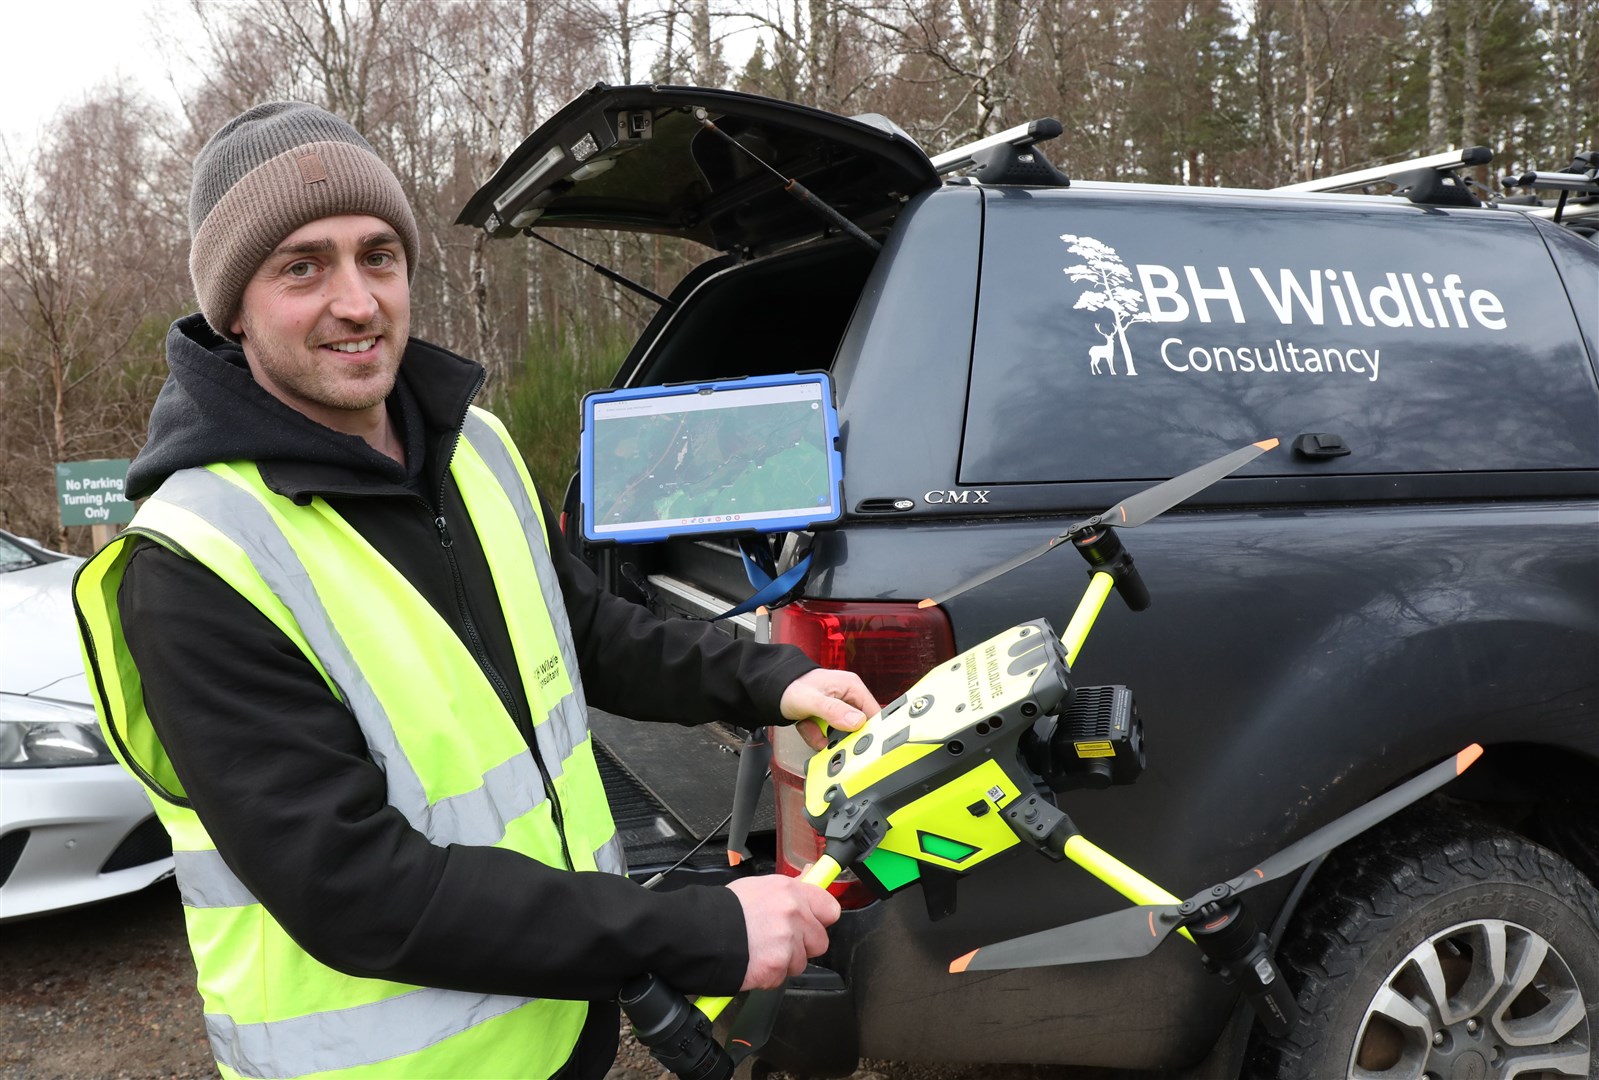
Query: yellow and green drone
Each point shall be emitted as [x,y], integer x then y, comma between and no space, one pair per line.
[962,767]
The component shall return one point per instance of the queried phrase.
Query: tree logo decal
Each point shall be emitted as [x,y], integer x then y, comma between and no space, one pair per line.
[1109,291]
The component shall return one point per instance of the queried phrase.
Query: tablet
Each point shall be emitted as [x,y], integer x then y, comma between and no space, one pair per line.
[727,456]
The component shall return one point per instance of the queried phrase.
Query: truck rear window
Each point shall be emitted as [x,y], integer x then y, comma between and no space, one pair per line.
[1130,337]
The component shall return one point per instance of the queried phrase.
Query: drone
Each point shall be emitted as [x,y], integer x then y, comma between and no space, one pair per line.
[964,766]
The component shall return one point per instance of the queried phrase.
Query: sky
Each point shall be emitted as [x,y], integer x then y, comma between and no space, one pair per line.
[69,47]
[63,49]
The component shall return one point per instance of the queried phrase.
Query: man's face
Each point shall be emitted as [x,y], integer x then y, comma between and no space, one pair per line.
[324,320]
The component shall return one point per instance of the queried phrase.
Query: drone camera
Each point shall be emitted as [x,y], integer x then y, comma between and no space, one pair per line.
[1098,741]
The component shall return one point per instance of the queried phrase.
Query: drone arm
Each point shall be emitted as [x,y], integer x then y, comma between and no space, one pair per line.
[1088,609]
[821,873]
[1118,875]
[1049,828]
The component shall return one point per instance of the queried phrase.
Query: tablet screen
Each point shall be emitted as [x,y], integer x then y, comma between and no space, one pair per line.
[747,455]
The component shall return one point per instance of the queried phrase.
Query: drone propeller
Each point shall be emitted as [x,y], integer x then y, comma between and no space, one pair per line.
[753,1025]
[1138,931]
[1128,514]
[754,765]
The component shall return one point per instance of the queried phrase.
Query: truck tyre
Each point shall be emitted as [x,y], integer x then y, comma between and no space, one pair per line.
[1440,948]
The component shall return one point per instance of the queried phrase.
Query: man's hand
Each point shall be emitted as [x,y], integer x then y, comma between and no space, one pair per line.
[786,921]
[837,698]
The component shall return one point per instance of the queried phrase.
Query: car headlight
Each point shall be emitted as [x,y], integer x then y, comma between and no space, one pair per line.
[38,734]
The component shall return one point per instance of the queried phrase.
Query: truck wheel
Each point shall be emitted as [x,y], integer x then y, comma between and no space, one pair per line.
[1440,948]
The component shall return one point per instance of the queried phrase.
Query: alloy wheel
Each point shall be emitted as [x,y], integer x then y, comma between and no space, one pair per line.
[1486,998]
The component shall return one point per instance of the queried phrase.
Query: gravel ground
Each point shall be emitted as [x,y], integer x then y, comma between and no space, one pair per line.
[108,992]
[103,991]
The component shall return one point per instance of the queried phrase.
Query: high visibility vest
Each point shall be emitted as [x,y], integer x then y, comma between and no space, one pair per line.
[455,764]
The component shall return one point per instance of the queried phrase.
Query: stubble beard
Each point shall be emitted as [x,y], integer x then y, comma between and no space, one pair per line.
[299,373]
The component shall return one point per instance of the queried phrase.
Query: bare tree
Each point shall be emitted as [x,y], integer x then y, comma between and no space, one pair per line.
[1000,44]
[666,63]
[1471,78]
[91,271]
[1437,64]
[1304,149]
[709,70]
[1572,30]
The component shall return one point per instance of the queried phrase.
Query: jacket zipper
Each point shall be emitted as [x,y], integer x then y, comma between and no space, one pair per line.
[480,654]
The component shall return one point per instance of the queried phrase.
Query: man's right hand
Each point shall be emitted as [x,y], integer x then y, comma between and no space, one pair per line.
[786,922]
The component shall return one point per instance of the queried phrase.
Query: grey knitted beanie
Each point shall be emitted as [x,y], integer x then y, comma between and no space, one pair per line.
[264,174]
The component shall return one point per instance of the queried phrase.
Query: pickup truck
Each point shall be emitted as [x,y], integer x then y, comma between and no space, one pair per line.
[1416,568]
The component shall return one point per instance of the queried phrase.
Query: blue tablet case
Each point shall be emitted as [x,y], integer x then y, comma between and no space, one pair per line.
[660,475]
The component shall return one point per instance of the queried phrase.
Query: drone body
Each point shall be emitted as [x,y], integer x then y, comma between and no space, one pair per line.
[923,779]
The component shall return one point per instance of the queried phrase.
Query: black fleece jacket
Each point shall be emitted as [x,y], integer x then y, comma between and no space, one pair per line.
[279,772]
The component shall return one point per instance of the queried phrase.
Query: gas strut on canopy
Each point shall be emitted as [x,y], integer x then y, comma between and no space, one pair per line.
[605,271]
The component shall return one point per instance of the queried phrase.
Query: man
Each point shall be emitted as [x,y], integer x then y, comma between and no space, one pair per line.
[341,644]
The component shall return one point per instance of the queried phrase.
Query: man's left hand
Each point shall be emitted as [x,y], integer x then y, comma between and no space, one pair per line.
[836,698]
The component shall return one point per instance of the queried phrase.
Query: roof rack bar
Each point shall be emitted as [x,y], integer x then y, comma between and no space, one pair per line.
[1581,183]
[1034,131]
[1571,212]
[1449,159]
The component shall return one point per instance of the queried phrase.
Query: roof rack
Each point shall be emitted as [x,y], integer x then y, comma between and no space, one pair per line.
[1580,178]
[963,157]
[1392,173]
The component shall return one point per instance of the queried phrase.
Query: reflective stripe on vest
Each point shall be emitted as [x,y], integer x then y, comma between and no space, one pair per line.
[479,817]
[557,741]
[329,1041]
[205,881]
[374,1028]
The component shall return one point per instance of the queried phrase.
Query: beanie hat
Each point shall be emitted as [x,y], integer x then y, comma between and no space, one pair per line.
[264,174]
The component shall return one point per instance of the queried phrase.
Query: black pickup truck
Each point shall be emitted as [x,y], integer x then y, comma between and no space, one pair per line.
[1416,568]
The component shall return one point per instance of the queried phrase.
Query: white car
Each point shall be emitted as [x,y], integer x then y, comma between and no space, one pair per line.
[74,826]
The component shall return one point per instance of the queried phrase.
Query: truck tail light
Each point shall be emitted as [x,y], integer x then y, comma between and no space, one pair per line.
[890,646]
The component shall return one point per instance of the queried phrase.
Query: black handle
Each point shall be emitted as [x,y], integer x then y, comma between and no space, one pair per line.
[1103,551]
[1266,991]
[676,1033]
[1317,445]
[1236,950]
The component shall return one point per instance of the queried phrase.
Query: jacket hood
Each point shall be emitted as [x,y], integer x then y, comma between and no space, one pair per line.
[211,409]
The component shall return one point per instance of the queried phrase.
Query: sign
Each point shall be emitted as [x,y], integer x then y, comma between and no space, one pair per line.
[90,492]
[1321,301]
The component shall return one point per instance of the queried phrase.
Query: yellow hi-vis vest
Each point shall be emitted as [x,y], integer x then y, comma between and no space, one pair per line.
[454,762]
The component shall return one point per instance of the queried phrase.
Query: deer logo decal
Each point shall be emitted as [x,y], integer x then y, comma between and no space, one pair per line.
[1109,290]
[1105,352]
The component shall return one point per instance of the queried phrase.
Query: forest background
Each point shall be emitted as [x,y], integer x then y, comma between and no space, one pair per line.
[1245,93]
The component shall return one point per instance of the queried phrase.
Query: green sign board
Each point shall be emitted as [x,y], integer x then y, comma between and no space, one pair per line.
[90,492]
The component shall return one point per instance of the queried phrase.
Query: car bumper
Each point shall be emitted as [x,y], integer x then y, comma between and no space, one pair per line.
[75,835]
